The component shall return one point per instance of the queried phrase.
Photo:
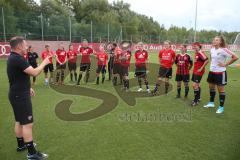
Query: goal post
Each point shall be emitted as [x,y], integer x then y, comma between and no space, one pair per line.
[236,49]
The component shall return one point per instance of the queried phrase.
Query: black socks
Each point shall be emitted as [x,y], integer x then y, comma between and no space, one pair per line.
[212,95]
[20,142]
[222,98]
[31,148]
[196,95]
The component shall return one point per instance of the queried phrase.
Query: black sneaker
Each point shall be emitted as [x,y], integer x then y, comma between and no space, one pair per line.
[23,148]
[37,156]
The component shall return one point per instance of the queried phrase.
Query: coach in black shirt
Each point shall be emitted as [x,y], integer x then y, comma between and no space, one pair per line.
[20,92]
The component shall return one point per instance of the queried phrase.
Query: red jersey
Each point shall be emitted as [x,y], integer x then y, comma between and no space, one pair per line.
[102,58]
[141,57]
[61,56]
[86,52]
[200,58]
[117,56]
[166,57]
[47,53]
[126,58]
[183,63]
[72,56]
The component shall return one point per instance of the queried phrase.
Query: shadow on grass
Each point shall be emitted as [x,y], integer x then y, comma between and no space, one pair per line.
[110,101]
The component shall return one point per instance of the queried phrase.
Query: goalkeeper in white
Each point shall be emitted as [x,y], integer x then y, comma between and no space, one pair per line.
[217,76]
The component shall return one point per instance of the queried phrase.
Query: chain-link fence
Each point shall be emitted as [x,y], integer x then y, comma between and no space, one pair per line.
[40,26]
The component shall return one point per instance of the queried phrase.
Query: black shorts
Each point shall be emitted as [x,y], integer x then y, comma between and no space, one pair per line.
[22,107]
[140,71]
[125,70]
[196,78]
[61,66]
[101,68]
[116,68]
[165,72]
[49,68]
[219,79]
[72,66]
[85,67]
[184,78]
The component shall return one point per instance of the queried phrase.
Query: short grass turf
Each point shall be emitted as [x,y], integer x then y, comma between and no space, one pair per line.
[205,136]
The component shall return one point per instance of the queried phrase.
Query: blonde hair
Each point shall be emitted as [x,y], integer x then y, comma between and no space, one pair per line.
[140,43]
[167,41]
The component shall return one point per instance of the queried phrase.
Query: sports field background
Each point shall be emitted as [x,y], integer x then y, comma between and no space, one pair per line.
[207,136]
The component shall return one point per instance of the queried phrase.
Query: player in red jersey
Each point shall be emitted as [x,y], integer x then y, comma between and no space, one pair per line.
[102,58]
[125,64]
[85,52]
[48,53]
[184,64]
[166,59]
[72,62]
[141,60]
[117,65]
[201,60]
[61,59]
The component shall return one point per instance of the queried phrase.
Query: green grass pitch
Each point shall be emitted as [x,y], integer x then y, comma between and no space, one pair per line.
[206,136]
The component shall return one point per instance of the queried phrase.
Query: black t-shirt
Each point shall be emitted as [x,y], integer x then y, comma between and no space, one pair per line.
[19,81]
[32,58]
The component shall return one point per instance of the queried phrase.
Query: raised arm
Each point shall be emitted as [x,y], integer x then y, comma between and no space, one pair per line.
[36,71]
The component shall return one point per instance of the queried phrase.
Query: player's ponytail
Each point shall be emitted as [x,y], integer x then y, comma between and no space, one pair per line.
[222,41]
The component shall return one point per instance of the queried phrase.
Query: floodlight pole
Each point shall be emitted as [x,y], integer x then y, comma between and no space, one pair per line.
[4,31]
[91,32]
[70,29]
[42,26]
[108,32]
[121,34]
[196,14]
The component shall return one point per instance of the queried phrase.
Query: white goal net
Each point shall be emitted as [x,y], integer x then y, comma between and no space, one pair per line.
[235,47]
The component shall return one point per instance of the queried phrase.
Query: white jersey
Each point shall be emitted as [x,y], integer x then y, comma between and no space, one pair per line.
[219,56]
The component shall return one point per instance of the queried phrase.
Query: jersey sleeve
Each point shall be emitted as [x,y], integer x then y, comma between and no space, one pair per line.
[227,52]
[42,56]
[135,55]
[90,51]
[36,55]
[203,56]
[146,56]
[160,54]
[106,56]
[173,54]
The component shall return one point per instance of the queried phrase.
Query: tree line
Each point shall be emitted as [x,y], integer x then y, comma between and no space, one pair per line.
[106,21]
